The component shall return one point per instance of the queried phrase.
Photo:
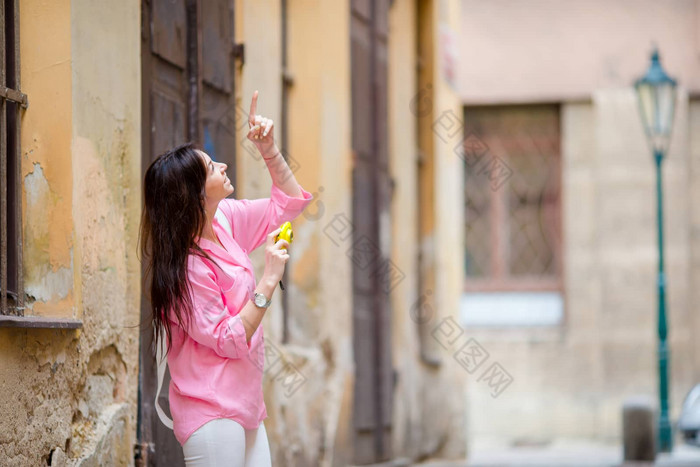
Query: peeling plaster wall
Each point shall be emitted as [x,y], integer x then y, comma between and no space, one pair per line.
[446,407]
[70,396]
[314,426]
[429,409]
[106,206]
[302,426]
[46,157]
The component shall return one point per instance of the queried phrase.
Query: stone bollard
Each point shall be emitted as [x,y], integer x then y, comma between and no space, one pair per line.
[639,429]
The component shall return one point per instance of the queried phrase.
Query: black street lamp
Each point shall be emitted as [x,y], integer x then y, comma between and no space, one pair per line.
[656,93]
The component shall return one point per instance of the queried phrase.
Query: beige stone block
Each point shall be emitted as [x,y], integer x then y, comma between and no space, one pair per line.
[620,138]
[628,366]
[579,208]
[577,136]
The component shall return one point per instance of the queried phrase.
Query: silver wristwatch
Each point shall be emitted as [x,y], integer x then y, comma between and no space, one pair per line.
[261,300]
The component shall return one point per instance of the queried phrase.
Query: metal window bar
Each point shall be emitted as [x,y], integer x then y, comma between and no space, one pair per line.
[11,101]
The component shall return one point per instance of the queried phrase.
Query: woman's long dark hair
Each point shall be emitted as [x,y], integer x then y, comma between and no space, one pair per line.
[173,218]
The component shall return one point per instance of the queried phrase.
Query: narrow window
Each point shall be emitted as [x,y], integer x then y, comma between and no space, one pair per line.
[512,202]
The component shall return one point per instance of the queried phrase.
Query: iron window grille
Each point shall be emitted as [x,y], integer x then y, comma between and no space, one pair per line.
[12,100]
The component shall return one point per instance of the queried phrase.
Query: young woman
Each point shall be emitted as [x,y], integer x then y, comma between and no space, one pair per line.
[206,304]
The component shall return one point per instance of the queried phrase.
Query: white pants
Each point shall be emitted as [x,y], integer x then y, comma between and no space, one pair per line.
[224,442]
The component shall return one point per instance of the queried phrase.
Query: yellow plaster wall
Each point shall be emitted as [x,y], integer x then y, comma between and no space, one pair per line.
[70,396]
[403,156]
[46,157]
[440,431]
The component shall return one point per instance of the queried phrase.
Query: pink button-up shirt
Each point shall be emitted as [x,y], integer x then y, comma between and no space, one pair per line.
[214,372]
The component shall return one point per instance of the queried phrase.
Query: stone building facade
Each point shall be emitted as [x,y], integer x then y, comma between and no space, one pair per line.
[573,363]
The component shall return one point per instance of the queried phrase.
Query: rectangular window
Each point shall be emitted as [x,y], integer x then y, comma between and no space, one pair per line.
[512,196]
[11,100]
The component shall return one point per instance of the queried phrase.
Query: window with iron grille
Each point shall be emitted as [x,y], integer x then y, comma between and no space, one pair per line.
[11,101]
[512,199]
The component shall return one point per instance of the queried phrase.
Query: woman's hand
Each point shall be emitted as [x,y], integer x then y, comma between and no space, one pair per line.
[276,256]
[260,131]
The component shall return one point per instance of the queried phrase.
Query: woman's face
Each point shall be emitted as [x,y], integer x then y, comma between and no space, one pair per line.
[217,186]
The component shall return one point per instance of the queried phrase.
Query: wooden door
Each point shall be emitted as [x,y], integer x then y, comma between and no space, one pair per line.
[188,68]
[374,376]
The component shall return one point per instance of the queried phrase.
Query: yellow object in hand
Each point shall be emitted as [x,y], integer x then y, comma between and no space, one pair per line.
[286,233]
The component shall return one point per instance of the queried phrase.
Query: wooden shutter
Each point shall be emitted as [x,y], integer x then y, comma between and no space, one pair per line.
[374,376]
[187,53]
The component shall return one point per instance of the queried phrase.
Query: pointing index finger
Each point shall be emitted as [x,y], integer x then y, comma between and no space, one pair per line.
[253,106]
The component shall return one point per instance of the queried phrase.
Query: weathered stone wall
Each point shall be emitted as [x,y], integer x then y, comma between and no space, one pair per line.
[429,409]
[303,426]
[314,425]
[70,396]
[694,234]
[570,380]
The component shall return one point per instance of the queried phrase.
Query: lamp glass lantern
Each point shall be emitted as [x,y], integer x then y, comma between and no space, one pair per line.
[656,94]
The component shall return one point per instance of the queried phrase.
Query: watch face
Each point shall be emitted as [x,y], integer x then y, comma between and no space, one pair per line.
[260,300]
